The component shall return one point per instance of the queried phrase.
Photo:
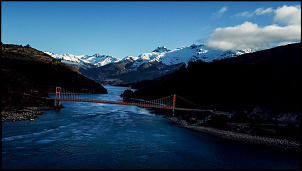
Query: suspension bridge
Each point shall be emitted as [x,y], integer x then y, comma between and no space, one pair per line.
[168,102]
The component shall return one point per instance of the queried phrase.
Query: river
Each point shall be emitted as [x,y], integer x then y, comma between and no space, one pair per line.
[100,136]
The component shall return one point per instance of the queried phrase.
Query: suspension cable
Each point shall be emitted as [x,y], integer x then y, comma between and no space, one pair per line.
[190,102]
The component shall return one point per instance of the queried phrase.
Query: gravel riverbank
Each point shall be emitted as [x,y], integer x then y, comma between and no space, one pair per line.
[29,113]
[266,142]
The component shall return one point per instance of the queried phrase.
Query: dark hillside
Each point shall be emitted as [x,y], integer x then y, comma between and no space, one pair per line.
[28,74]
[268,78]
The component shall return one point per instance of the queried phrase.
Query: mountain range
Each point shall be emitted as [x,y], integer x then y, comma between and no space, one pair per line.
[107,69]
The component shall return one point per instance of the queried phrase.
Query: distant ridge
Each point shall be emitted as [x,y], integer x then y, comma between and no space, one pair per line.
[107,69]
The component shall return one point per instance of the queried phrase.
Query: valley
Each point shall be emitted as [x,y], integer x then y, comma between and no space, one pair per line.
[151,84]
[259,89]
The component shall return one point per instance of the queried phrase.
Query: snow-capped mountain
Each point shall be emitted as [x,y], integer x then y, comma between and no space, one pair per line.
[160,54]
[84,61]
[100,60]
[107,69]
[183,55]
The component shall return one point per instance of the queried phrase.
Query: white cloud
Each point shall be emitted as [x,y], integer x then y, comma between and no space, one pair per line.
[250,35]
[261,11]
[244,14]
[223,10]
[220,12]
[258,11]
[288,15]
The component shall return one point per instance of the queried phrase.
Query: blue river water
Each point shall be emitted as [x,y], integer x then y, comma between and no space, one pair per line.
[100,136]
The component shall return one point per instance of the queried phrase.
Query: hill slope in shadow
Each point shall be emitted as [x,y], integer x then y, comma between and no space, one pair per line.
[29,74]
[268,78]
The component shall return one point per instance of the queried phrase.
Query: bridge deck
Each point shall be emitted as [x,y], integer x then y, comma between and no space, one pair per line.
[162,103]
[160,106]
[119,103]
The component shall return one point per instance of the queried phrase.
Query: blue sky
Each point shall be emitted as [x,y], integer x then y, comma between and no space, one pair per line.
[125,28]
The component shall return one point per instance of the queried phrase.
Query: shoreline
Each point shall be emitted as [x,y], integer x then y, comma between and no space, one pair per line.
[28,113]
[31,113]
[260,141]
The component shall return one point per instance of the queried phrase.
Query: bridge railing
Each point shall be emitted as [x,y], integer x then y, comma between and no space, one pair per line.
[168,102]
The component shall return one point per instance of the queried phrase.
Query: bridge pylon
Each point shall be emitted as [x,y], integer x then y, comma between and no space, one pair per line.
[57,98]
[58,92]
[174,101]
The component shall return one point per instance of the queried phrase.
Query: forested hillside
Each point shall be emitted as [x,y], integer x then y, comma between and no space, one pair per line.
[29,74]
[269,79]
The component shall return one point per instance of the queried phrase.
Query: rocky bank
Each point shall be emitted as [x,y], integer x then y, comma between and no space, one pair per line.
[291,146]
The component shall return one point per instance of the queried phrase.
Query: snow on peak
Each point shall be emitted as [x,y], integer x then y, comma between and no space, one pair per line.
[161,49]
[184,54]
[96,55]
[161,54]
[94,60]
[66,57]
[100,60]
[131,58]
